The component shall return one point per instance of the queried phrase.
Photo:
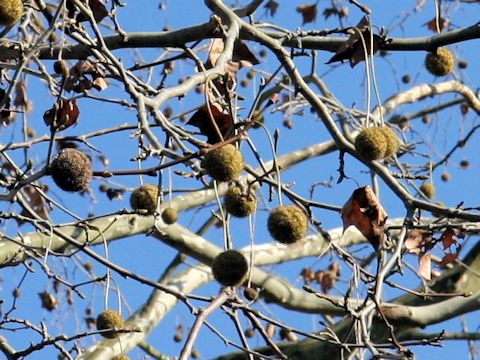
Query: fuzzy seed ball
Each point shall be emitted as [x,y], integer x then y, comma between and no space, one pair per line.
[440,63]
[11,11]
[287,224]
[121,357]
[392,141]
[71,170]
[239,204]
[145,198]
[428,189]
[230,268]
[223,164]
[169,216]
[371,143]
[109,319]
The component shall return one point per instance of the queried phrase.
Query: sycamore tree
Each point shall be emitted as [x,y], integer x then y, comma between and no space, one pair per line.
[243,179]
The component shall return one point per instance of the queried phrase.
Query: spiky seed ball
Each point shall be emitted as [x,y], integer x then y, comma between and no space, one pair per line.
[223,164]
[428,189]
[169,216]
[446,176]
[287,224]
[441,62]
[371,143]
[145,198]
[230,268]
[392,141]
[239,204]
[121,357]
[11,11]
[71,170]
[109,319]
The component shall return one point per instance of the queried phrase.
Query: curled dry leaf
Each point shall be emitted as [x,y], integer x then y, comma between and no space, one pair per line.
[361,39]
[99,10]
[49,302]
[62,115]
[432,24]
[203,120]
[242,56]
[36,202]
[21,99]
[309,12]
[425,265]
[417,240]
[5,114]
[272,7]
[448,258]
[448,238]
[364,211]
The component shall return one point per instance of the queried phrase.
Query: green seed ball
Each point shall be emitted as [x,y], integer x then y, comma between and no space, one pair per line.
[109,319]
[371,143]
[223,164]
[71,170]
[230,268]
[287,224]
[145,198]
[428,189]
[392,141]
[239,204]
[169,216]
[11,11]
[441,62]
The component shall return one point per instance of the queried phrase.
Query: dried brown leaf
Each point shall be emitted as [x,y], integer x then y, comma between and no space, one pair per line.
[425,265]
[62,115]
[361,39]
[364,211]
[99,10]
[309,12]
[432,24]
[448,238]
[272,7]
[416,239]
[202,119]
[448,259]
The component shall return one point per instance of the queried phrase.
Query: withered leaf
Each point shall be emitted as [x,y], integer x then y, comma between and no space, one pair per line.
[309,12]
[36,202]
[425,265]
[272,7]
[21,99]
[98,9]
[242,56]
[364,211]
[49,302]
[432,24]
[5,114]
[353,49]
[448,238]
[62,115]
[223,120]
[449,258]
[416,240]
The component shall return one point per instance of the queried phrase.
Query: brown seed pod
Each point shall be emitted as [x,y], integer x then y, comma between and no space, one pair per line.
[71,170]
[169,216]
[230,268]
[224,163]
[428,189]
[145,198]
[109,319]
[287,224]
[11,11]
[121,357]
[441,62]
